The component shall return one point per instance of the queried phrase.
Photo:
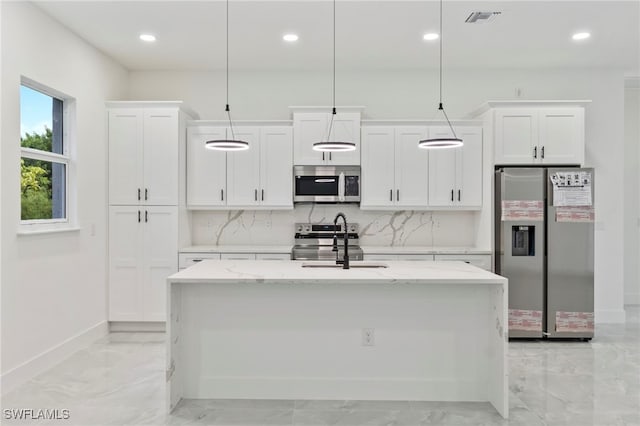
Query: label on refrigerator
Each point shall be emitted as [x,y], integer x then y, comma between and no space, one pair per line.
[574,322]
[571,188]
[583,214]
[525,320]
[522,210]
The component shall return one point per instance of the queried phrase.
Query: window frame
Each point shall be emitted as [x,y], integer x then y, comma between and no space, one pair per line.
[67,158]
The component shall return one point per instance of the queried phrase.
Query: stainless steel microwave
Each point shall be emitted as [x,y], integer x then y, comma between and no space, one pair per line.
[326,184]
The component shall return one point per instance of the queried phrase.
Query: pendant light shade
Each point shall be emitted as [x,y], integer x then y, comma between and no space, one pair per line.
[442,142]
[328,145]
[228,143]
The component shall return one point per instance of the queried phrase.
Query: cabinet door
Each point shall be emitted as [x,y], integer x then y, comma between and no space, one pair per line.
[273,256]
[206,168]
[125,263]
[125,155]
[469,168]
[243,170]
[160,157]
[238,256]
[160,258]
[346,128]
[308,128]
[442,170]
[561,135]
[276,167]
[378,181]
[411,168]
[516,136]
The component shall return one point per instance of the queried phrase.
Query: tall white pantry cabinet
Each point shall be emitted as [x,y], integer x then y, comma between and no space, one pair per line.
[146,205]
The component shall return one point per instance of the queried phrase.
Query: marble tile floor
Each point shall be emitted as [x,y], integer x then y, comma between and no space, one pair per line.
[119,380]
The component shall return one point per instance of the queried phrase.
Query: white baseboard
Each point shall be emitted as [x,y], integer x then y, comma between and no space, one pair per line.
[632,298]
[49,358]
[617,316]
[132,326]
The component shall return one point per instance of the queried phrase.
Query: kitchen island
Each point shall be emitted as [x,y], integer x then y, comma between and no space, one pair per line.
[430,331]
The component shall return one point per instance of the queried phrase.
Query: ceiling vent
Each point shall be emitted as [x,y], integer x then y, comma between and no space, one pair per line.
[480,17]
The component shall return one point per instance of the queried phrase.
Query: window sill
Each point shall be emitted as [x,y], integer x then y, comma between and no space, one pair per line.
[48,231]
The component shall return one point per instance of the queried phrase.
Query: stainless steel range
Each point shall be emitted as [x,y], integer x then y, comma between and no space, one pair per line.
[314,241]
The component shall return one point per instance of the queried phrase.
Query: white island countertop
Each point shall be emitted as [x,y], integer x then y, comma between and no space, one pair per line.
[396,272]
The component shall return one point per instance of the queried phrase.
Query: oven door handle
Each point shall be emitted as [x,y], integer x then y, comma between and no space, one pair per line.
[341,186]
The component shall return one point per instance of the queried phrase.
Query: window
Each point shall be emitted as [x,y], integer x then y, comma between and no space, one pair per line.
[45,161]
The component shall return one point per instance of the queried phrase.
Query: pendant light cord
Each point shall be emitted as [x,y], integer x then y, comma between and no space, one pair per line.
[227,109]
[440,106]
[333,111]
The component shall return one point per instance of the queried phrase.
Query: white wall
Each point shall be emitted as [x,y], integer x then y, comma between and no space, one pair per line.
[53,285]
[631,193]
[413,94]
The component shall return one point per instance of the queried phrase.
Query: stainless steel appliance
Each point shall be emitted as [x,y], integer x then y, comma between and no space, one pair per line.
[544,246]
[326,184]
[315,242]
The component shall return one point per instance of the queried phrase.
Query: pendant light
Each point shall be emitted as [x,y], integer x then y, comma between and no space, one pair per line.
[441,142]
[229,143]
[327,145]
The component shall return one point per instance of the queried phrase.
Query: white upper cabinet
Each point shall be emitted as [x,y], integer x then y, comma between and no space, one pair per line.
[531,134]
[394,169]
[455,174]
[257,178]
[206,168]
[312,127]
[143,155]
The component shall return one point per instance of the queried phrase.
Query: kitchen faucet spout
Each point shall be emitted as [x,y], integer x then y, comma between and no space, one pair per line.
[345,261]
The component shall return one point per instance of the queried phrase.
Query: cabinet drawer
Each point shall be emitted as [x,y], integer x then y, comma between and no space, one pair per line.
[273,256]
[187,259]
[425,257]
[237,256]
[480,260]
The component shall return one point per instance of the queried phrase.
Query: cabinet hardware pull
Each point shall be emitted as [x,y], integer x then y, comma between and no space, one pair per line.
[263,195]
[330,157]
[146,216]
[397,195]
[138,216]
[452,195]
[146,194]
[323,156]
[255,195]
[222,195]
[391,195]
[535,152]
[458,195]
[138,194]
[542,152]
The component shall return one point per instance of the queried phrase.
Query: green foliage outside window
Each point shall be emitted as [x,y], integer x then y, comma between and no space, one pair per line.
[35,179]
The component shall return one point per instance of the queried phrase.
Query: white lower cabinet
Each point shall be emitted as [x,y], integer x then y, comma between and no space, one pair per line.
[143,242]
[188,259]
[273,256]
[389,256]
[480,260]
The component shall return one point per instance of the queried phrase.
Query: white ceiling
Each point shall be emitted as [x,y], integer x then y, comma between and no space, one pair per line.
[370,34]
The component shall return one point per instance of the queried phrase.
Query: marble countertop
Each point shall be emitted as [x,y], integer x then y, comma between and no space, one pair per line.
[422,250]
[237,249]
[366,249]
[284,272]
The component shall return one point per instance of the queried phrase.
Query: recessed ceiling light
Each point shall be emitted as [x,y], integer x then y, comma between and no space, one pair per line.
[147,37]
[580,36]
[290,37]
[430,36]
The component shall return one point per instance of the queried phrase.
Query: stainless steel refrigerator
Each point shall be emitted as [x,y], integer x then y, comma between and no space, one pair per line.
[544,246]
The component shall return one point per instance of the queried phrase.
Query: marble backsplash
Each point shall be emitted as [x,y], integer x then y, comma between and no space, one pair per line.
[377,228]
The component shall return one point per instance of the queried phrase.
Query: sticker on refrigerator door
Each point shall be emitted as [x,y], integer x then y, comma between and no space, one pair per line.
[580,214]
[571,188]
[574,322]
[525,320]
[522,210]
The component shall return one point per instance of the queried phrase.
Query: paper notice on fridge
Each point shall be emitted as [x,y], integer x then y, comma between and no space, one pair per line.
[574,322]
[580,214]
[571,188]
[522,210]
[525,320]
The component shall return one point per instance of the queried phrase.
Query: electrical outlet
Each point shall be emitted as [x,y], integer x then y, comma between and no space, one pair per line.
[368,337]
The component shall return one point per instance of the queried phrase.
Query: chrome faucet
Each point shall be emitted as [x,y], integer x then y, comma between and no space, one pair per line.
[345,261]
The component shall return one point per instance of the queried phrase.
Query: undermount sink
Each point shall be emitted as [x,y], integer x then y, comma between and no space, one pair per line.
[352,265]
